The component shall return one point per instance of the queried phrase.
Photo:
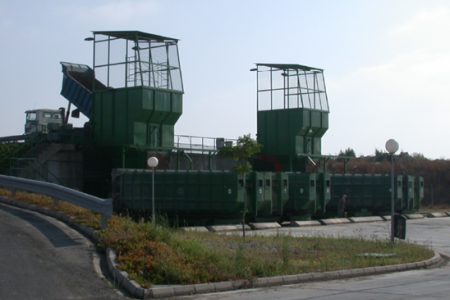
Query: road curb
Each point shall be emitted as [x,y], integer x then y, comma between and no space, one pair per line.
[121,277]
[182,290]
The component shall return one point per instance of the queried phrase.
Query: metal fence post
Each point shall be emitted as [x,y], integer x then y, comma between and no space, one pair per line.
[55,201]
[104,222]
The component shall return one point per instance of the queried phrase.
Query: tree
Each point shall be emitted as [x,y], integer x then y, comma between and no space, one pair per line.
[245,147]
[349,152]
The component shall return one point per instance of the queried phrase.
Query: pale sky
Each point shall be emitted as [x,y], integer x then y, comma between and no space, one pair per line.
[387,63]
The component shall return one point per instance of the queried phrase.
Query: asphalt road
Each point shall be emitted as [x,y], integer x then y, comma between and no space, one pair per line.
[419,284]
[42,258]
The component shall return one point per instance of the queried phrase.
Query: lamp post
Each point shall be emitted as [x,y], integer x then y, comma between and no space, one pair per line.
[152,163]
[392,147]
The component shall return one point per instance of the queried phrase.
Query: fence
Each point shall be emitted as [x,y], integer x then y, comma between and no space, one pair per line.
[57,192]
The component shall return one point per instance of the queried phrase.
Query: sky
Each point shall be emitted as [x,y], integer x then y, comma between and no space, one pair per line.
[386,62]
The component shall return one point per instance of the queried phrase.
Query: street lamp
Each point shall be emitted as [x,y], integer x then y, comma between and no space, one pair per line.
[392,147]
[152,163]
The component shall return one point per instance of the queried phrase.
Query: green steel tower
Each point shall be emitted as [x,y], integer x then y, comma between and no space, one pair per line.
[143,98]
[292,108]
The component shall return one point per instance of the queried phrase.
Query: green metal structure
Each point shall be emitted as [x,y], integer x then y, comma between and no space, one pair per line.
[293,110]
[367,190]
[143,98]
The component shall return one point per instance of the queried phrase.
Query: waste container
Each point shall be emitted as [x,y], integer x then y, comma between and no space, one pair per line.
[399,226]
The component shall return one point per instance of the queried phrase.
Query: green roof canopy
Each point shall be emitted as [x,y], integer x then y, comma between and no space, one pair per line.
[131,35]
[289,66]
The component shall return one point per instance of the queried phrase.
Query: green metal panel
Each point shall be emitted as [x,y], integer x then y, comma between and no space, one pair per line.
[106,119]
[408,192]
[366,192]
[418,191]
[323,191]
[265,207]
[256,192]
[167,134]
[291,131]
[186,194]
[302,194]
[280,187]
[137,115]
[119,128]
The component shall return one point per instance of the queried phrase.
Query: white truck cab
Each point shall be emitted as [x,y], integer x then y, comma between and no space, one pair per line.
[37,120]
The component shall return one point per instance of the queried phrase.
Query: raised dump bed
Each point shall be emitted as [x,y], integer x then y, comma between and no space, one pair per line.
[78,85]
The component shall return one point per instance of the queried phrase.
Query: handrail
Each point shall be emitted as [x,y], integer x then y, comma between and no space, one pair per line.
[35,172]
[102,206]
[16,137]
[198,143]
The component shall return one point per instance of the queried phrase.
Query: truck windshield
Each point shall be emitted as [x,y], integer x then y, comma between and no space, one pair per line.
[31,116]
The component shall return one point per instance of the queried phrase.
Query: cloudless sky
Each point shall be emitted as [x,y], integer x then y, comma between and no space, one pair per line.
[387,63]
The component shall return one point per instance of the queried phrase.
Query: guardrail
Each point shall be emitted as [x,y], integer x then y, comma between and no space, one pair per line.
[57,192]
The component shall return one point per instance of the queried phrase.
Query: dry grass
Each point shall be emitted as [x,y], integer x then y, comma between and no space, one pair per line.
[436,208]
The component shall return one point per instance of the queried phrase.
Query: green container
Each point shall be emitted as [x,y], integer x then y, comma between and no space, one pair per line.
[280,192]
[185,194]
[418,191]
[302,195]
[408,192]
[370,192]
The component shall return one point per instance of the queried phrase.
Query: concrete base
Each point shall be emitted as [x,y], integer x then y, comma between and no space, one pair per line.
[334,221]
[386,218]
[437,215]
[365,219]
[260,226]
[305,223]
[195,228]
[224,228]
[414,216]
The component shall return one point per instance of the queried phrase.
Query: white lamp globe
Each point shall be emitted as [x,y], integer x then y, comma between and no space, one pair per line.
[391,146]
[152,162]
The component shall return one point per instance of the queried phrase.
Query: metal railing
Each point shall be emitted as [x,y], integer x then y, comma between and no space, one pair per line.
[201,144]
[57,192]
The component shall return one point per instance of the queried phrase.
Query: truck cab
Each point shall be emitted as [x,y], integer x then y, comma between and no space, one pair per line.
[37,120]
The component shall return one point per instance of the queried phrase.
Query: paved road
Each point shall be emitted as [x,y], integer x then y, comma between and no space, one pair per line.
[418,284]
[42,258]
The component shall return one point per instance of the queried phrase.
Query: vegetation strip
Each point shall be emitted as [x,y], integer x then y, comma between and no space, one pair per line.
[170,291]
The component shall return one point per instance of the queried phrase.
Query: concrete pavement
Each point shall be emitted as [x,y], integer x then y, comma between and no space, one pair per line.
[41,258]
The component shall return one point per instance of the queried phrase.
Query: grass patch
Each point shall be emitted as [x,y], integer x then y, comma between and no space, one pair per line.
[436,208]
[159,254]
